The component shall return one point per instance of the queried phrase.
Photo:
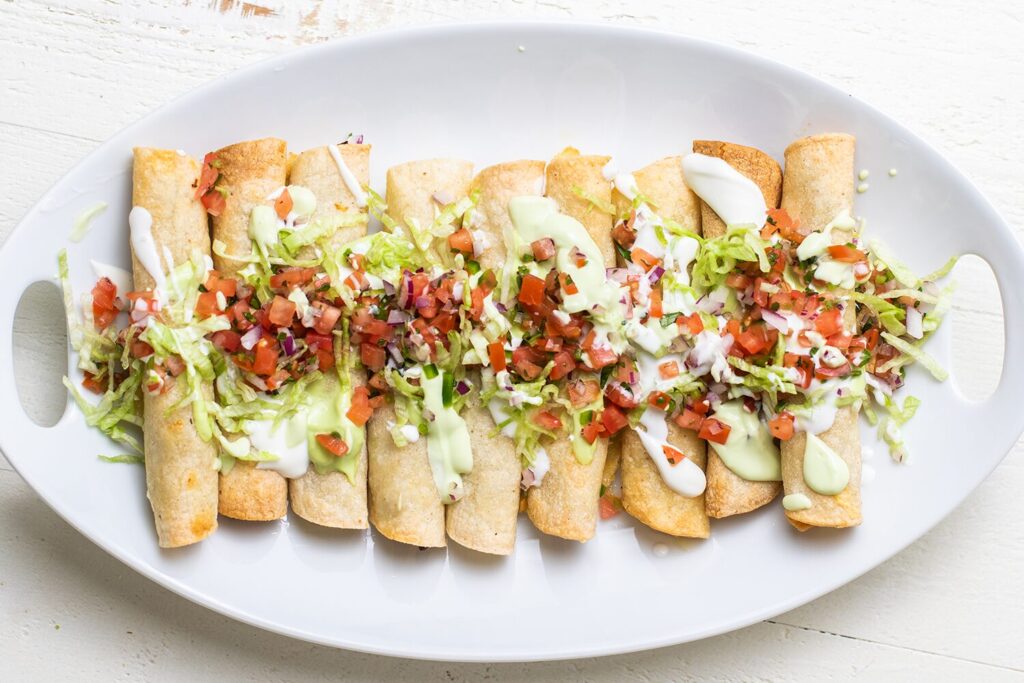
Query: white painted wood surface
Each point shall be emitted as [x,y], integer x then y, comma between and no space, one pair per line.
[951,607]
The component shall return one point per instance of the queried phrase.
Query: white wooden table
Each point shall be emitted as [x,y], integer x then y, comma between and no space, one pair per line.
[951,607]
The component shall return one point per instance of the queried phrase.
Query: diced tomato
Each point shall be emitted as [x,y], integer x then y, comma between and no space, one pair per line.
[689,419]
[214,202]
[226,340]
[531,293]
[803,364]
[701,406]
[659,400]
[527,363]
[591,431]
[265,362]
[583,392]
[332,444]
[239,313]
[871,338]
[496,354]
[564,364]
[209,175]
[329,316]
[674,455]
[624,235]
[786,225]
[841,341]
[543,249]
[545,419]
[692,322]
[141,349]
[277,379]
[714,430]
[781,426]
[668,369]
[567,284]
[360,411]
[226,286]
[655,306]
[621,395]
[324,359]
[292,277]
[94,385]
[207,305]
[281,311]
[601,357]
[461,240]
[104,304]
[608,506]
[738,280]
[825,372]
[373,357]
[644,259]
[318,341]
[829,322]
[613,420]
[283,204]
[756,339]
[846,253]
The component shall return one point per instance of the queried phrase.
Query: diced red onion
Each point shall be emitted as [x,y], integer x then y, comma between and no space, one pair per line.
[915,323]
[389,289]
[422,301]
[428,415]
[502,308]
[709,305]
[287,341]
[397,317]
[395,352]
[617,274]
[932,289]
[655,274]
[773,319]
[406,299]
[442,198]
[462,387]
[250,338]
[359,139]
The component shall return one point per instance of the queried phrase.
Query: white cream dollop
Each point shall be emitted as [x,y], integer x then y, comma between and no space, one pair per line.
[734,197]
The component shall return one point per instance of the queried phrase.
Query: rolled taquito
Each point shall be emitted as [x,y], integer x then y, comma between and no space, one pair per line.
[249,172]
[645,495]
[181,473]
[484,519]
[565,503]
[818,186]
[727,492]
[404,502]
[330,498]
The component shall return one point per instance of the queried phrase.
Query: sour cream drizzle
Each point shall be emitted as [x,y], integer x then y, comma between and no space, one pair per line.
[121,278]
[685,477]
[140,223]
[350,180]
[734,197]
[287,442]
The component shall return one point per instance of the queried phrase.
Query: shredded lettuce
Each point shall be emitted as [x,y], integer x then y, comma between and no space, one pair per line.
[903,274]
[913,352]
[127,459]
[719,256]
[601,205]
